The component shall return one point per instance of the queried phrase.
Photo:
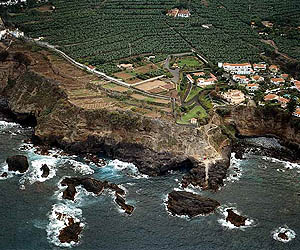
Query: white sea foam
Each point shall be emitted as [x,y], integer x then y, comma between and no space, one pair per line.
[288,232]
[56,224]
[78,167]
[34,174]
[126,168]
[286,164]
[4,169]
[227,224]
[7,125]
[235,170]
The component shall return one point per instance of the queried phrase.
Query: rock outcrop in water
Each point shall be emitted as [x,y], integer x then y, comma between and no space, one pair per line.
[96,187]
[186,203]
[46,171]
[216,175]
[71,231]
[235,219]
[17,163]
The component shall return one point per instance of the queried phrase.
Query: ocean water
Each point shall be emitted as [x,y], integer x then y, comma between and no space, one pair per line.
[265,190]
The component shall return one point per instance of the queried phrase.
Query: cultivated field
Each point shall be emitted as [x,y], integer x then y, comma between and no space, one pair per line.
[100,33]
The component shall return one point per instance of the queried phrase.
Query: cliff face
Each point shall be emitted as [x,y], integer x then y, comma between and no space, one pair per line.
[155,145]
[261,121]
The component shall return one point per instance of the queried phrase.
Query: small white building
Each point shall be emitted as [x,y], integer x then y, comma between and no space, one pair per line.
[2,34]
[259,67]
[257,78]
[194,121]
[240,79]
[184,13]
[252,87]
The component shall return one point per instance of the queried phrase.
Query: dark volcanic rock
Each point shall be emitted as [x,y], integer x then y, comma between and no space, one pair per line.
[121,202]
[45,170]
[71,232]
[4,175]
[185,203]
[70,192]
[17,163]
[283,235]
[216,174]
[281,151]
[92,185]
[235,219]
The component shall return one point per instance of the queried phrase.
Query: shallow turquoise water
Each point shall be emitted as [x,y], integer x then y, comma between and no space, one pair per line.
[267,192]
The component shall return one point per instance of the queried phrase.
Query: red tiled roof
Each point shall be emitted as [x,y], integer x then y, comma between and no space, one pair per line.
[237,64]
[270,97]
[277,79]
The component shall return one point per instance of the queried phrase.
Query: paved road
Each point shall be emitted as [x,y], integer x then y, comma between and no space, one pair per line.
[175,72]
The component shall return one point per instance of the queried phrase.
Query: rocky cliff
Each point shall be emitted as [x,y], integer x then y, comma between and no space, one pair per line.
[154,145]
[262,121]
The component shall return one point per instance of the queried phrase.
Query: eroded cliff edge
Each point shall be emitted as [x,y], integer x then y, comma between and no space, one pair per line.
[154,144]
[266,121]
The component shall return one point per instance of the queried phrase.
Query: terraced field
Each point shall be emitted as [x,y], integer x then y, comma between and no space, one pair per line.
[101,32]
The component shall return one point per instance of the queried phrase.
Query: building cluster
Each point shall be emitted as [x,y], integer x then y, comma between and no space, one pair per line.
[252,75]
[202,79]
[179,13]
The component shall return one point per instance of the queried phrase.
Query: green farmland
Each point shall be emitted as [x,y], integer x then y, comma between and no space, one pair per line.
[101,32]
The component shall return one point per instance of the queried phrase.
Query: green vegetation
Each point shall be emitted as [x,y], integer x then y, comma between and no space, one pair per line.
[189,62]
[100,33]
[195,91]
[196,112]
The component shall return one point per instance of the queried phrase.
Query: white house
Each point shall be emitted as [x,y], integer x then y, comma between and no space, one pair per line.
[259,67]
[297,112]
[184,13]
[277,80]
[257,78]
[252,86]
[240,79]
[2,34]
[238,68]
[201,82]
[190,78]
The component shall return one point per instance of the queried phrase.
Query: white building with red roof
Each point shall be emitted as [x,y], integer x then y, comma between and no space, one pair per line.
[252,86]
[277,80]
[241,79]
[184,13]
[259,67]
[238,68]
[297,112]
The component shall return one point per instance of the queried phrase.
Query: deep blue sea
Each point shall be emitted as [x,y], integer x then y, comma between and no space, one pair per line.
[265,190]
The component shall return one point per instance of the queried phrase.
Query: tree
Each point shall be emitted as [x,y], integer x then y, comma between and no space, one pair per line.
[292,105]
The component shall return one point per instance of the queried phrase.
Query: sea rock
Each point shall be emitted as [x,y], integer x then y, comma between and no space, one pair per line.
[235,219]
[71,232]
[70,192]
[89,184]
[186,203]
[216,175]
[283,235]
[45,170]
[121,202]
[4,175]
[17,163]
